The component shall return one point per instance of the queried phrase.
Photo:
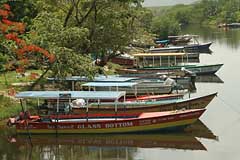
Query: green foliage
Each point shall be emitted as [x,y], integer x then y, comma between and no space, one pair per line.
[8,107]
[71,64]
[73,30]
[203,12]
[164,26]
[3,60]
[68,44]
[23,10]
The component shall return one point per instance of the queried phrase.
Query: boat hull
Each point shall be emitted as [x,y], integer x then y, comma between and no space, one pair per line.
[194,103]
[145,122]
[197,69]
[187,48]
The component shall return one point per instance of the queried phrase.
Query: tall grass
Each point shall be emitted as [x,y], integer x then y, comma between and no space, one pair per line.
[8,107]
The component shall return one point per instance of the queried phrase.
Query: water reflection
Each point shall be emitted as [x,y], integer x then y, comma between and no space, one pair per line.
[230,37]
[96,147]
[209,79]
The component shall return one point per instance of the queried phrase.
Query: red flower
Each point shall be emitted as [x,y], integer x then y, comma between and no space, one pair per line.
[7,7]
[11,36]
[4,13]
[19,27]
[34,76]
[3,27]
[7,22]
[20,70]
[51,58]
[24,61]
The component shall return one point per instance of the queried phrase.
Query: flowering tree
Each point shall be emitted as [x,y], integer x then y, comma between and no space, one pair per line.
[20,53]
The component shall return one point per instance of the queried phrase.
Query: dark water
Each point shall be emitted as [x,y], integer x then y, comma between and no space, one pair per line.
[216,136]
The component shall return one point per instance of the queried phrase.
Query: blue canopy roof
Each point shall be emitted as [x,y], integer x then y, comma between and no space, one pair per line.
[162,41]
[110,84]
[100,78]
[113,78]
[71,94]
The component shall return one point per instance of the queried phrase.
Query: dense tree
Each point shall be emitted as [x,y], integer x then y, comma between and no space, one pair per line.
[98,28]
[164,26]
[205,12]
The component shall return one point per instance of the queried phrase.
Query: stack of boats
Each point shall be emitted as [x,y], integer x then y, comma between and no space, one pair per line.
[139,99]
[173,61]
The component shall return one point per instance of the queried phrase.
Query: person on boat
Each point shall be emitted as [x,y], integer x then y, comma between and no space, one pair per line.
[78,103]
[168,81]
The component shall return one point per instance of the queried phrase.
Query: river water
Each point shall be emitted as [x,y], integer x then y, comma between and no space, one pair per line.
[216,136]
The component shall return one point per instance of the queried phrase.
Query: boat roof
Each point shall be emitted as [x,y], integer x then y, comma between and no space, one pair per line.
[110,84]
[158,54]
[167,48]
[72,78]
[113,78]
[184,36]
[71,94]
[100,78]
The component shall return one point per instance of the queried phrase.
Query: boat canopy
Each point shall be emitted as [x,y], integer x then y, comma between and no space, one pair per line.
[72,78]
[110,84]
[184,36]
[100,78]
[93,95]
[113,78]
[158,54]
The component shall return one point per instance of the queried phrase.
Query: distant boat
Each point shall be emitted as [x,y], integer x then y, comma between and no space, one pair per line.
[199,48]
[195,47]
[123,59]
[229,25]
[156,65]
[179,40]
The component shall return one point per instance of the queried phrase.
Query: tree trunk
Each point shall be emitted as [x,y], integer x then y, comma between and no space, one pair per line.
[40,78]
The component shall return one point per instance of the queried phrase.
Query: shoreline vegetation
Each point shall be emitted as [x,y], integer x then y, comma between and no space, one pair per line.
[169,20]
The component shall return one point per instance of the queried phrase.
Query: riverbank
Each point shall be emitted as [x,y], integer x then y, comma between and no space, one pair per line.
[8,107]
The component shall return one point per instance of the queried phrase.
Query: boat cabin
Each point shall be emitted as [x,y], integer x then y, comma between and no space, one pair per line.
[143,60]
[59,101]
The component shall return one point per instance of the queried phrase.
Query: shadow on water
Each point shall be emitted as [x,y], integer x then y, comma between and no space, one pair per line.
[103,146]
[209,79]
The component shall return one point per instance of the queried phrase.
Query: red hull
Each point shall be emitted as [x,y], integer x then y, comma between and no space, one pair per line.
[109,123]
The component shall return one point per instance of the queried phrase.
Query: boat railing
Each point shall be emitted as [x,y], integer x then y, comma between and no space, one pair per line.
[58,99]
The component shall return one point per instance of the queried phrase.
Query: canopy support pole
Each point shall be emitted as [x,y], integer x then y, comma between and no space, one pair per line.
[116,109]
[87,110]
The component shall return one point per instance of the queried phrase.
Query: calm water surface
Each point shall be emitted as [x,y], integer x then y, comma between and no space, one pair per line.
[216,136]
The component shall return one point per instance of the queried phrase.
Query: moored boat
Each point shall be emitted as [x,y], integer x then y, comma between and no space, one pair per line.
[195,46]
[148,106]
[97,106]
[132,88]
[108,123]
[157,65]
[99,122]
